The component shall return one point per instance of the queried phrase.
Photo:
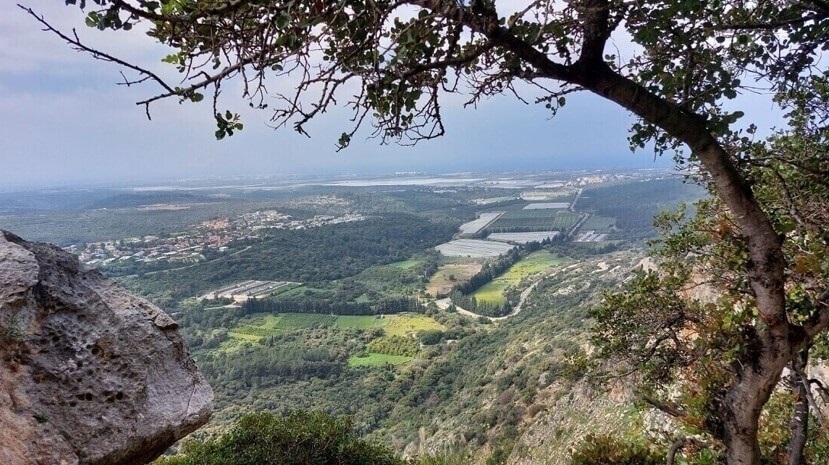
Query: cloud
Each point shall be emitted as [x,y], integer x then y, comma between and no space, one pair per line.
[64,121]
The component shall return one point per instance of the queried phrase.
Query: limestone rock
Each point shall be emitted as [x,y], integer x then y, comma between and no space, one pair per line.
[90,374]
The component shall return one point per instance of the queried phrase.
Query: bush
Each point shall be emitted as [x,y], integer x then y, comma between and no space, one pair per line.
[430,336]
[300,438]
[608,450]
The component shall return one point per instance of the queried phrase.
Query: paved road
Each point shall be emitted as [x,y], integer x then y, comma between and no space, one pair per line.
[573,205]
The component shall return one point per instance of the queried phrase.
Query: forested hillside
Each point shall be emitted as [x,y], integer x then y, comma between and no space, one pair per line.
[495,373]
[309,256]
[434,383]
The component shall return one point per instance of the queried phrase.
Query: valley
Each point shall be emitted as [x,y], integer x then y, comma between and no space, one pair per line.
[442,314]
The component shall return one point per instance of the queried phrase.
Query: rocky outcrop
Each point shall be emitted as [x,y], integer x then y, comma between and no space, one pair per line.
[90,374]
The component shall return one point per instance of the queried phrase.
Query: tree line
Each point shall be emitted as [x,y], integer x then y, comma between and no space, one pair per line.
[385,306]
[468,302]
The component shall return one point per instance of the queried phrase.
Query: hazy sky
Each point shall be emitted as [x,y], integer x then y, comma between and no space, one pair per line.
[65,121]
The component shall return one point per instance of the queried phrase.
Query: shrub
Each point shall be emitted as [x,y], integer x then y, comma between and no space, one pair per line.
[299,438]
[608,450]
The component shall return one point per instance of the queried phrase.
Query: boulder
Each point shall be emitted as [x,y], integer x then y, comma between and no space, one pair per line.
[90,374]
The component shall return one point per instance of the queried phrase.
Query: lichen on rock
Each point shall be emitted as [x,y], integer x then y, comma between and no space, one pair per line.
[90,373]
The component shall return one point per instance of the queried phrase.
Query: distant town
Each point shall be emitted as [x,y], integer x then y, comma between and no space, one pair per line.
[551,201]
[215,235]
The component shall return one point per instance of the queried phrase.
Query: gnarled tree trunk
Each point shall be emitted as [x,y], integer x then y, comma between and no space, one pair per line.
[799,424]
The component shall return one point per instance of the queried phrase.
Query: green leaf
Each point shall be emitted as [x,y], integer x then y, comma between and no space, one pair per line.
[345,139]
[787,227]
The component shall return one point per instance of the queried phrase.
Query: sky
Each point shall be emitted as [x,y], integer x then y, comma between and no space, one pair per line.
[65,121]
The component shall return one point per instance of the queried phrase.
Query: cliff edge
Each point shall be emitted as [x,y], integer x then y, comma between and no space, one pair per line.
[90,374]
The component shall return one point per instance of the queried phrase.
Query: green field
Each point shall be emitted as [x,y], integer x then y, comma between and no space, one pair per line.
[410,324]
[378,360]
[361,322]
[535,220]
[289,321]
[493,291]
[257,327]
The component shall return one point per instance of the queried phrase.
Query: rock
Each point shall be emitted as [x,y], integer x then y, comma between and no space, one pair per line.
[90,373]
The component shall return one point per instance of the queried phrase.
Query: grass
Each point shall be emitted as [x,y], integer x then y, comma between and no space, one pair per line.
[404,325]
[536,262]
[363,299]
[378,360]
[361,322]
[492,292]
[255,328]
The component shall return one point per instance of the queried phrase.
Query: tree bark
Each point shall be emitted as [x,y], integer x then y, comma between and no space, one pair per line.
[756,377]
[799,425]
[777,340]
[741,407]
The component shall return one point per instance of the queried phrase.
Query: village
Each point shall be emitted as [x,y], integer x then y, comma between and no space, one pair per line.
[218,235]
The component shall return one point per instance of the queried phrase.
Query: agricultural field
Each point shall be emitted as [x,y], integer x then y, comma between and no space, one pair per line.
[473,248]
[290,321]
[545,219]
[602,224]
[536,262]
[490,200]
[523,237]
[395,279]
[549,193]
[565,220]
[362,321]
[378,360]
[260,326]
[242,291]
[408,325]
[263,325]
[589,236]
[547,206]
[483,220]
[450,274]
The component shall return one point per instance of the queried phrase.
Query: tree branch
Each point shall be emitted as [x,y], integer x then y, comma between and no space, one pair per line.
[671,410]
[595,17]
[819,320]
[75,42]
[680,444]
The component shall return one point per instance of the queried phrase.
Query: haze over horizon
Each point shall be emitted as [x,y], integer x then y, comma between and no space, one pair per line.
[66,122]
